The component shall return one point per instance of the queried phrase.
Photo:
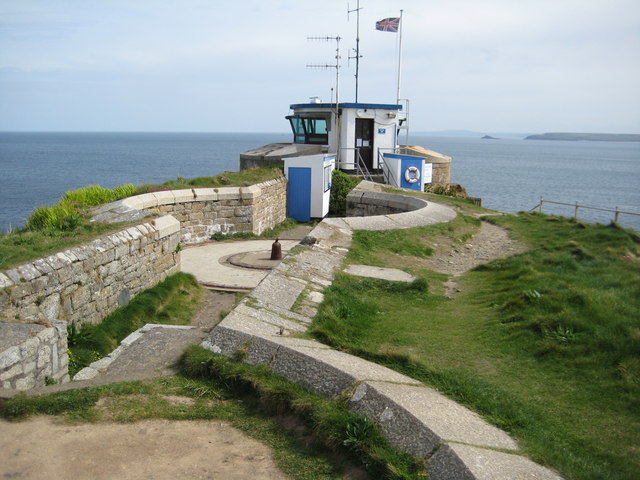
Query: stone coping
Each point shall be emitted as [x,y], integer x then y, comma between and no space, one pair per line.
[160,227]
[264,329]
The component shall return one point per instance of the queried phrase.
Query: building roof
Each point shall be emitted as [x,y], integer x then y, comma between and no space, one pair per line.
[379,106]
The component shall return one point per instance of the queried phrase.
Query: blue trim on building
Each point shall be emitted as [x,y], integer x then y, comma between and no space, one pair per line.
[379,106]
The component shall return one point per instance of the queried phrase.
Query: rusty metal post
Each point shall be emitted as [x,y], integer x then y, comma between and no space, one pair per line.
[276,250]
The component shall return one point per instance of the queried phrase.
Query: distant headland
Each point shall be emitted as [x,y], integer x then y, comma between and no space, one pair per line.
[596,137]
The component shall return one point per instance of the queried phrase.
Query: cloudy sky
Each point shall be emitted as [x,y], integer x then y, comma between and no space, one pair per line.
[209,65]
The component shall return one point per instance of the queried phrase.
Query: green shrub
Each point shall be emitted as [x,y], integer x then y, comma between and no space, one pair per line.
[341,185]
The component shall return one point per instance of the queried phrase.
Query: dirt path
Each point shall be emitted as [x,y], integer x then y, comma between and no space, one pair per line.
[491,242]
[44,447]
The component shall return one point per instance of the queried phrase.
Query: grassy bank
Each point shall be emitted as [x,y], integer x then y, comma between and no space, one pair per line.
[243,178]
[545,344]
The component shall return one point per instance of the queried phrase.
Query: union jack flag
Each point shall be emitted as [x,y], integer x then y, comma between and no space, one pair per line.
[388,25]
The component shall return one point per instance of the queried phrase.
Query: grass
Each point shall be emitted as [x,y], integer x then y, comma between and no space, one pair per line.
[312,437]
[72,209]
[172,301]
[545,344]
[243,178]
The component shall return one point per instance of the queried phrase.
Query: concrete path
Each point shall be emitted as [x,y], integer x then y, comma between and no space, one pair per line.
[391,274]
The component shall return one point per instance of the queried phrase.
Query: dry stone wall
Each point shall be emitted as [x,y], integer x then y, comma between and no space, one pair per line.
[203,212]
[32,354]
[86,283]
[82,285]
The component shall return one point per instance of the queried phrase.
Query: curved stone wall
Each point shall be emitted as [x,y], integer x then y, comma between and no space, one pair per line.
[203,212]
[361,203]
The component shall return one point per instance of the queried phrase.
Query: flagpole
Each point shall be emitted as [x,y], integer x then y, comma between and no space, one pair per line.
[399,58]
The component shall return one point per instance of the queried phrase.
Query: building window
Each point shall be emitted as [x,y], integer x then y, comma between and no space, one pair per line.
[310,130]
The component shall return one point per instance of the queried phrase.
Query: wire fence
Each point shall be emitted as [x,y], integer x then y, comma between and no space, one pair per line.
[616,212]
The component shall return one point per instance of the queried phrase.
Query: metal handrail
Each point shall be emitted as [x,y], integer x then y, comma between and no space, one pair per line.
[386,172]
[361,168]
[616,212]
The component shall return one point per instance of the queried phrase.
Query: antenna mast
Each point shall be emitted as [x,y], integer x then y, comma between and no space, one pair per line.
[357,49]
[327,65]
[337,67]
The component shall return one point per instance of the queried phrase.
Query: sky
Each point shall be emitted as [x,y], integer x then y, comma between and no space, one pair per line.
[236,66]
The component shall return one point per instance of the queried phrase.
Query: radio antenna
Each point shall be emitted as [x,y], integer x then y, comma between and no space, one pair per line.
[328,65]
[356,50]
[337,67]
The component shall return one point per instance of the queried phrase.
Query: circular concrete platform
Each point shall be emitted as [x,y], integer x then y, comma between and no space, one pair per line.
[260,260]
[210,264]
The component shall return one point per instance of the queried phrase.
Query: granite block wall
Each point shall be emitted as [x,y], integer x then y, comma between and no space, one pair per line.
[33,354]
[86,283]
[203,212]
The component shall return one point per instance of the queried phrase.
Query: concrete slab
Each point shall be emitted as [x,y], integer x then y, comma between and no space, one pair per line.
[391,274]
[430,416]
[265,316]
[278,290]
[315,263]
[375,222]
[205,194]
[436,213]
[330,372]
[463,462]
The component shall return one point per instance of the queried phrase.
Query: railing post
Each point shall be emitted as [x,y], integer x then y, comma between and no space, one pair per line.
[541,203]
[576,214]
[615,219]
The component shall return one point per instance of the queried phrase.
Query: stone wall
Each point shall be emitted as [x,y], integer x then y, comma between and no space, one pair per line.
[203,212]
[366,204]
[86,283]
[32,354]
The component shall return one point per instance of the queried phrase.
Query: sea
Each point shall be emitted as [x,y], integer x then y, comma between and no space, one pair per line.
[508,174]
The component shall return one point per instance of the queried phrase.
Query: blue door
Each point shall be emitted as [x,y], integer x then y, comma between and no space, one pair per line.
[299,194]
